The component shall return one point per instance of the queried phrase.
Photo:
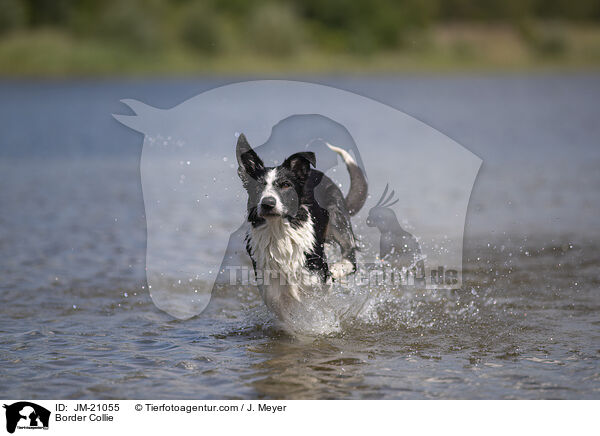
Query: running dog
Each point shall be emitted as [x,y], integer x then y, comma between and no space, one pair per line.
[293,210]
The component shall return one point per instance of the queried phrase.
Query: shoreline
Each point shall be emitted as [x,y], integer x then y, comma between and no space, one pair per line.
[444,50]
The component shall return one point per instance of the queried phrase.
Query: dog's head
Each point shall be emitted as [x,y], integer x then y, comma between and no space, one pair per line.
[273,192]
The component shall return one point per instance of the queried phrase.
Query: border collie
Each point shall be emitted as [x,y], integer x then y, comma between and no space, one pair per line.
[293,210]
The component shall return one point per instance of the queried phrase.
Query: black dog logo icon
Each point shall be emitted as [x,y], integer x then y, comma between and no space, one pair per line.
[27,415]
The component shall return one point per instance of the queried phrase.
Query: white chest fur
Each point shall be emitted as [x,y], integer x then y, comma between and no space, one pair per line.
[279,250]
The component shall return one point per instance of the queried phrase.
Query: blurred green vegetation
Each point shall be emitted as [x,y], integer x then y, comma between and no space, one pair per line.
[57,37]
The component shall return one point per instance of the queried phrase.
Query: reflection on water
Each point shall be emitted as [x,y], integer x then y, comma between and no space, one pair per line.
[76,320]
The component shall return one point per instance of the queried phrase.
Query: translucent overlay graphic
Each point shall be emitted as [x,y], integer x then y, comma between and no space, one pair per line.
[411,226]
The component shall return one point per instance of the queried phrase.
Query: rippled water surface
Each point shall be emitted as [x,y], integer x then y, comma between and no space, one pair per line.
[76,319]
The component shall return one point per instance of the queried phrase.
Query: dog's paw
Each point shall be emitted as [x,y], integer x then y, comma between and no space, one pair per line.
[341,269]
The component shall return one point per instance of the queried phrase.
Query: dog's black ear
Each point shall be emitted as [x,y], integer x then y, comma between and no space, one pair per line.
[300,163]
[249,162]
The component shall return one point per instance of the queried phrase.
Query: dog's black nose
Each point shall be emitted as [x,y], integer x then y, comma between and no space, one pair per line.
[268,203]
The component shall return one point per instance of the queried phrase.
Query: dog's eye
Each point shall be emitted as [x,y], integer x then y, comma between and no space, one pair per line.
[285,185]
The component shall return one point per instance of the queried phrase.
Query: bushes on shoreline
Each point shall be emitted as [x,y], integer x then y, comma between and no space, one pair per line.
[138,35]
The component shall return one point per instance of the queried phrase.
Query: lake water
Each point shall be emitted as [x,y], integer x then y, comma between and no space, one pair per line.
[76,319]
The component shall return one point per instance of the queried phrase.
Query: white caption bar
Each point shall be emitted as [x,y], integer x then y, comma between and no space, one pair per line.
[160,417]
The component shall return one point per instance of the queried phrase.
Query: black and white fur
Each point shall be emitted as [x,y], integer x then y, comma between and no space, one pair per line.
[293,210]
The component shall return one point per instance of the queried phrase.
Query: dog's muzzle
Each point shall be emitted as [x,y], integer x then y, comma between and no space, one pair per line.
[267,207]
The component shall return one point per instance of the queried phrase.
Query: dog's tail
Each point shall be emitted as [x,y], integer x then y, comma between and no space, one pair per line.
[357,195]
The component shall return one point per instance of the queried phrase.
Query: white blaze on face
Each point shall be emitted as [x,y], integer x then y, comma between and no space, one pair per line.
[270,191]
